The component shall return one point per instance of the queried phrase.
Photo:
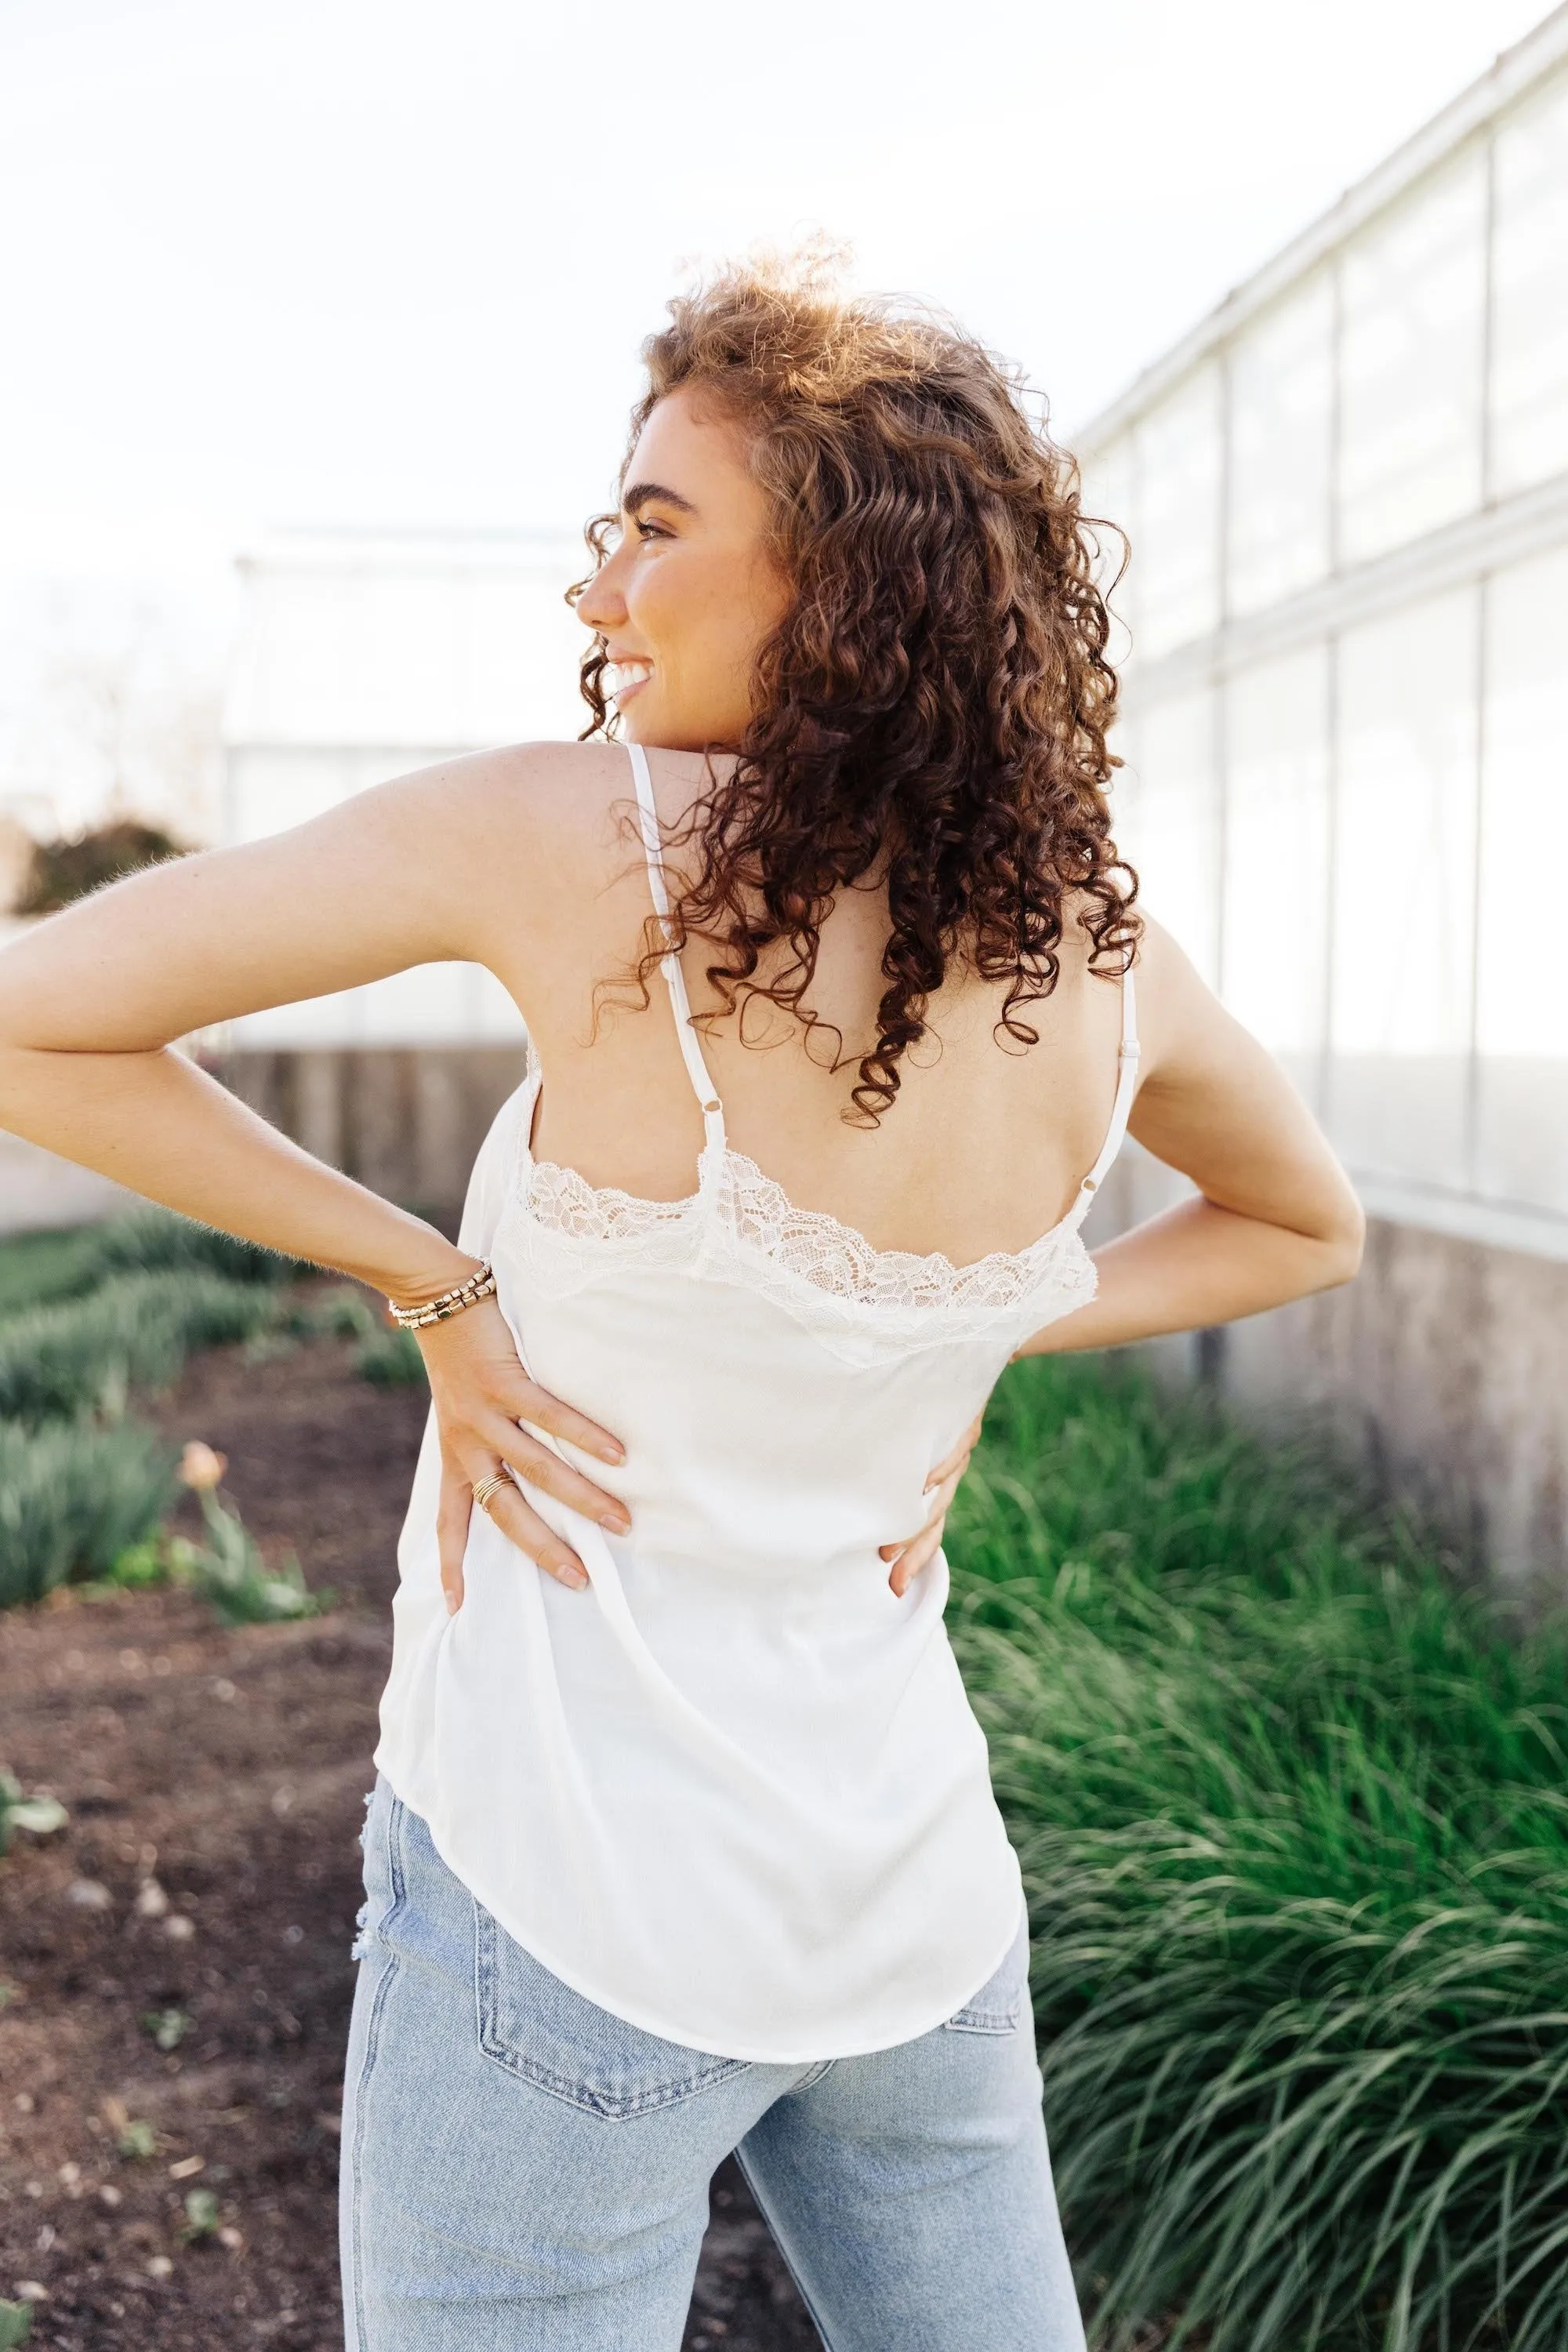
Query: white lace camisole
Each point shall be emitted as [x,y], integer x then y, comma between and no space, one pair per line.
[733,1791]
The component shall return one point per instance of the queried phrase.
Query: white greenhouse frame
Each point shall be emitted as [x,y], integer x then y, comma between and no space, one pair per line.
[1374,520]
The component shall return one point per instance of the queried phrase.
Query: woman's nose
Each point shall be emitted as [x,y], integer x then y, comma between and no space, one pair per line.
[602,605]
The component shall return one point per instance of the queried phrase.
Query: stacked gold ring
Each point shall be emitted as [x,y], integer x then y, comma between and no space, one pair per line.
[490,1485]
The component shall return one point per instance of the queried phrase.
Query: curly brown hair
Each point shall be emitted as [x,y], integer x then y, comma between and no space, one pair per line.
[932,709]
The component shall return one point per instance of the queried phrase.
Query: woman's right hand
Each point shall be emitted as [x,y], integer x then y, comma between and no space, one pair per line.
[908,1556]
[481,1395]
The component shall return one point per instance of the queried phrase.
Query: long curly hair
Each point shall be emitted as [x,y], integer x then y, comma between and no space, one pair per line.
[931,712]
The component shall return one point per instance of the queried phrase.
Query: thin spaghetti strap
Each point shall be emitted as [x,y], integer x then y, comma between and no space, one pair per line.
[702,1085]
[1126,1085]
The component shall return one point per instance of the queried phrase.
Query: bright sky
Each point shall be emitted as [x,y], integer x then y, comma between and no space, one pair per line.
[365,261]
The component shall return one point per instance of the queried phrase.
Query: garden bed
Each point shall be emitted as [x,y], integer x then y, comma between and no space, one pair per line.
[1288,1796]
[225,1767]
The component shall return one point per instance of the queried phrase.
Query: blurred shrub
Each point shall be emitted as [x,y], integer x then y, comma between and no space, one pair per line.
[68,869]
[387,1356]
[390,1358]
[83,1356]
[156,1241]
[86,1319]
[73,1499]
[37,1267]
[139,1565]
[40,1269]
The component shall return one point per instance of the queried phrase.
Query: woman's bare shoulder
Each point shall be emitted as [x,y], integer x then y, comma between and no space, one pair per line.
[544,842]
[579,795]
[566,787]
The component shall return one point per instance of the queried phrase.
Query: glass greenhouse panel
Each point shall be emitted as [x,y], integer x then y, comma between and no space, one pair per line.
[519,646]
[1275,892]
[1124,784]
[1281,405]
[1110,494]
[295,650]
[1411,364]
[1172,824]
[272,786]
[404,648]
[1175,558]
[1404,892]
[1530,294]
[1521,1034]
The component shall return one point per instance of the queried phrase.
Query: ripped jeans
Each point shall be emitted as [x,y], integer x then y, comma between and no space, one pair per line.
[524,2172]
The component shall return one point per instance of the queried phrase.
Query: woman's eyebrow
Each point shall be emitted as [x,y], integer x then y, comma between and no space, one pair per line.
[642,494]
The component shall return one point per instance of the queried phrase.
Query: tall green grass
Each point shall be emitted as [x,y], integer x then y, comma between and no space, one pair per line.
[72,1499]
[86,1319]
[1293,1817]
[83,1355]
[40,1269]
[35,1267]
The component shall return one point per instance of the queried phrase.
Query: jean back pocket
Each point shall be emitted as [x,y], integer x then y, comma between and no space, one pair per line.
[1002,2001]
[538,2028]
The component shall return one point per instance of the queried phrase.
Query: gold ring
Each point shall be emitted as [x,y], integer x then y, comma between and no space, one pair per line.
[490,1485]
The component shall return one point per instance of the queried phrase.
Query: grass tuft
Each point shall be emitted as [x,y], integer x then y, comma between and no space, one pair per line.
[1293,1819]
[387,1356]
[83,1355]
[155,1241]
[391,1359]
[41,1269]
[73,1500]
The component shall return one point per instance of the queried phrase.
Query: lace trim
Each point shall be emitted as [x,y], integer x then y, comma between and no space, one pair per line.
[560,1200]
[808,1243]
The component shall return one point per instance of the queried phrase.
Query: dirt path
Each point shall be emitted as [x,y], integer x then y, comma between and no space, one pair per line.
[227,1769]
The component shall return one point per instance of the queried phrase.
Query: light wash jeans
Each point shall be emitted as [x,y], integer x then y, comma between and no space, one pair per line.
[524,2172]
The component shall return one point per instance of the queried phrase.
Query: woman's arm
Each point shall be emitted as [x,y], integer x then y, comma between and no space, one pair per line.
[91,1001]
[1275,1216]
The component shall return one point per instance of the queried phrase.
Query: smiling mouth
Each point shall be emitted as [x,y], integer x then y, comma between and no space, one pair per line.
[621,679]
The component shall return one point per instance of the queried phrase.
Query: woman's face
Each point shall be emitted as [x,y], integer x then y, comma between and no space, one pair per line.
[693,591]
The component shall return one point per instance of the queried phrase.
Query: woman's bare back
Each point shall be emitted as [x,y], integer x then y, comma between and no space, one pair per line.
[988,1140]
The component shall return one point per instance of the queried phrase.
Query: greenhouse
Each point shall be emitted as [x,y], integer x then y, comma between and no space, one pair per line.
[1345,625]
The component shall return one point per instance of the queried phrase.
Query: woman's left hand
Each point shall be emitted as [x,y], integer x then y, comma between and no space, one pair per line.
[909,1556]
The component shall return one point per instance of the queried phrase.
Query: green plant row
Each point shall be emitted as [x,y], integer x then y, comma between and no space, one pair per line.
[40,1269]
[84,1356]
[1293,1819]
[73,1499]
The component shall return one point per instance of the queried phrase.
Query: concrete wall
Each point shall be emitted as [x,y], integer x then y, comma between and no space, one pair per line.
[1446,1363]
[1444,1366]
[406,1121]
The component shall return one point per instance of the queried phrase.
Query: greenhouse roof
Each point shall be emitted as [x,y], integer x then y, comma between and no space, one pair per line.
[1513,73]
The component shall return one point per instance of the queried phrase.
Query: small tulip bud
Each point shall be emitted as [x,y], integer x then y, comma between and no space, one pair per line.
[200,1468]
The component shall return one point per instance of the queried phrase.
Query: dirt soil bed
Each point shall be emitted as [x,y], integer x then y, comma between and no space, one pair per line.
[221,1773]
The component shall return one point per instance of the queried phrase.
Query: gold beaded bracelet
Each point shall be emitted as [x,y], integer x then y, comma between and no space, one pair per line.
[479,1285]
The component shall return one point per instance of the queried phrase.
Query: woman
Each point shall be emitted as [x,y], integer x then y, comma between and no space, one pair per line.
[687,1845]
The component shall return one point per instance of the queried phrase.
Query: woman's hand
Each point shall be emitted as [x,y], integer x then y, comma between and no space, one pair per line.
[480,1393]
[914,1552]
